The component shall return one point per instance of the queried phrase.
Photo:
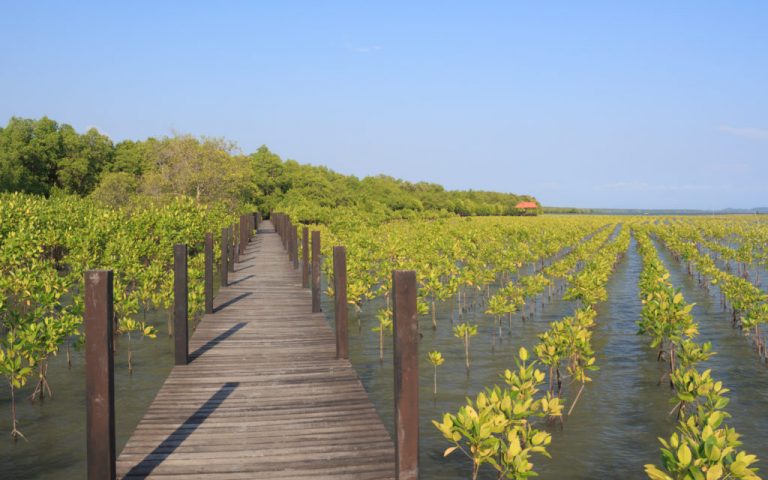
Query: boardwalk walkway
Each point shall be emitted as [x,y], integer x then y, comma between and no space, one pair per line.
[263,396]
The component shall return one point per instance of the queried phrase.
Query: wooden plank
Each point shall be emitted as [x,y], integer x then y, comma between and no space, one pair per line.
[263,396]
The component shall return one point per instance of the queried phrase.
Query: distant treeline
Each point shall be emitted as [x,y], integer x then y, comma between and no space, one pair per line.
[662,211]
[47,158]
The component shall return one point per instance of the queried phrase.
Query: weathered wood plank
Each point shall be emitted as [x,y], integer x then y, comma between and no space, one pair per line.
[263,396]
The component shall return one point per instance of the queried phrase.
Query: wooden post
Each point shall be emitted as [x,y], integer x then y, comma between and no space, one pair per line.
[99,375]
[180,325]
[406,352]
[230,249]
[340,301]
[315,271]
[288,229]
[224,255]
[289,242]
[236,246]
[243,234]
[208,273]
[284,223]
[305,257]
[295,246]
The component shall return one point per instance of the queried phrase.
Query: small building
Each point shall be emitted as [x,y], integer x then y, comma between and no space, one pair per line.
[527,208]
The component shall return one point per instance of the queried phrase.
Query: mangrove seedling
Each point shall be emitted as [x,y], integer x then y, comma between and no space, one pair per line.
[465,331]
[384,316]
[436,359]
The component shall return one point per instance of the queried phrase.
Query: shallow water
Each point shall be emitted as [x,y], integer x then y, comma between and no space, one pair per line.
[613,430]
[611,433]
[55,428]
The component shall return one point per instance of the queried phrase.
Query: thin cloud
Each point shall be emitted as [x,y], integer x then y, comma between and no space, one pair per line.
[363,49]
[751,133]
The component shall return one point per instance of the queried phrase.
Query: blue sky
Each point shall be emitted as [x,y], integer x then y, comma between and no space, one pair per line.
[589,104]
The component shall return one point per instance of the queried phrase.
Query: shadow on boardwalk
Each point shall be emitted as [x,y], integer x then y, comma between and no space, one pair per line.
[263,397]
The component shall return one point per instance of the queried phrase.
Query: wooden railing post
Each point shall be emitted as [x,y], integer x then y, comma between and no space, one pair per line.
[224,255]
[406,353]
[180,325]
[99,375]
[230,249]
[315,271]
[286,223]
[235,247]
[243,234]
[287,229]
[305,257]
[295,246]
[289,241]
[208,273]
[340,301]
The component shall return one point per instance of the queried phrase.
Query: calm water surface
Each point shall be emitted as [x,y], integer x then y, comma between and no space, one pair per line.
[611,433]
[613,430]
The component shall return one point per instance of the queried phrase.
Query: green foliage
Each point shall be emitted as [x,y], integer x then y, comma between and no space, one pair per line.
[39,156]
[46,245]
[497,429]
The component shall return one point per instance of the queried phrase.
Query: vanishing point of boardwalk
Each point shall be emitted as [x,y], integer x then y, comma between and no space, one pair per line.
[263,396]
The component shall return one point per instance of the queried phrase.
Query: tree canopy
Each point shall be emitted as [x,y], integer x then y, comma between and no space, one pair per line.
[44,157]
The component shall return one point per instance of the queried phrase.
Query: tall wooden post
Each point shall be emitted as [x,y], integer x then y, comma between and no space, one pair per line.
[230,249]
[406,352]
[180,324]
[305,257]
[295,246]
[340,301]
[285,223]
[99,375]
[288,231]
[224,255]
[315,271]
[289,242]
[236,246]
[243,234]
[208,273]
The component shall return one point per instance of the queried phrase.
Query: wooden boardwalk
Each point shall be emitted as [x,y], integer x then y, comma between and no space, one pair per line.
[263,396]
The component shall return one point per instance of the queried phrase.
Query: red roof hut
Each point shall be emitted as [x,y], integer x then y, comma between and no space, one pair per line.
[527,205]
[527,208]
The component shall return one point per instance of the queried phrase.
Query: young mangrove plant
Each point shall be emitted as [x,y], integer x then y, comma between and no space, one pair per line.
[384,316]
[436,359]
[465,331]
[497,429]
[128,325]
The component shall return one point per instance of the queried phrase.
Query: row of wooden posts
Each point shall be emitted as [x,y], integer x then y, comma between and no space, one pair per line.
[99,334]
[405,335]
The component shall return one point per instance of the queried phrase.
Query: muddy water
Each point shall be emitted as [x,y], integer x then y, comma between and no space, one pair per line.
[613,430]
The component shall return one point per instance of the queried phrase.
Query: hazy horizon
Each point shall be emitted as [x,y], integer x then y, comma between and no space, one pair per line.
[601,105]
